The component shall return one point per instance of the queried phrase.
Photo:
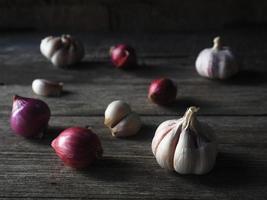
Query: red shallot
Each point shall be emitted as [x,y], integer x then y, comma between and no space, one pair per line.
[77,147]
[123,56]
[29,117]
[162,91]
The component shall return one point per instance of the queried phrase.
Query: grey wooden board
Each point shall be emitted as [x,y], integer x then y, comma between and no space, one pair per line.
[91,86]
[181,44]
[30,168]
[92,99]
[236,109]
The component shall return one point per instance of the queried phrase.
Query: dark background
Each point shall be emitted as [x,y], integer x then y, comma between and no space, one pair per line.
[131,15]
[167,36]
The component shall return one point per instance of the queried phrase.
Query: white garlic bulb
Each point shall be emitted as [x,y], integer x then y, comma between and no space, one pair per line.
[121,120]
[217,62]
[47,88]
[62,51]
[185,145]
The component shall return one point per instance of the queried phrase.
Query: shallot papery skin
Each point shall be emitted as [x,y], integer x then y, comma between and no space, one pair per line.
[162,91]
[29,117]
[77,147]
[123,56]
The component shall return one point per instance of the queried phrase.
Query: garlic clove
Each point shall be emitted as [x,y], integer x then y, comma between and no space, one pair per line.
[208,155]
[166,148]
[128,126]
[76,52]
[47,88]
[163,129]
[49,46]
[228,65]
[115,112]
[186,159]
[61,58]
[43,47]
[203,63]
[121,120]
[184,156]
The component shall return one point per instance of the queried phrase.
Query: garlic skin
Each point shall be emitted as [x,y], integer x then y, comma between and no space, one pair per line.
[62,51]
[44,87]
[185,145]
[121,120]
[217,62]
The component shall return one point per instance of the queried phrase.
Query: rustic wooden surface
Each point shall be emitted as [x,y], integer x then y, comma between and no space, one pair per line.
[236,109]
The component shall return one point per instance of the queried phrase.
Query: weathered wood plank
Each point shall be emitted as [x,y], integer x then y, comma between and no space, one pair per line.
[96,83]
[213,98]
[30,169]
[118,177]
[246,43]
[229,130]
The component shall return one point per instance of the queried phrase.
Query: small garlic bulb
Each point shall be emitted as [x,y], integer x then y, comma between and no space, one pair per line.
[217,62]
[185,145]
[47,88]
[121,120]
[62,51]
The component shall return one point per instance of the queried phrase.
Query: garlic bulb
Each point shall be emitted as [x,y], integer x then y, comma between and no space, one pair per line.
[185,145]
[47,88]
[121,120]
[217,62]
[62,51]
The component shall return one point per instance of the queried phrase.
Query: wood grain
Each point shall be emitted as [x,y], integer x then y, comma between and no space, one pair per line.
[92,99]
[128,168]
[93,84]
[235,109]
[229,130]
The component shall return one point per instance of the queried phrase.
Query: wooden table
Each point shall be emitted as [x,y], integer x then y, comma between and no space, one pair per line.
[236,109]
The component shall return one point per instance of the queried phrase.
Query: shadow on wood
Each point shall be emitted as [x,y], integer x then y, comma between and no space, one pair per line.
[88,65]
[109,169]
[148,71]
[180,105]
[62,95]
[248,78]
[66,93]
[49,136]
[230,171]
[146,133]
